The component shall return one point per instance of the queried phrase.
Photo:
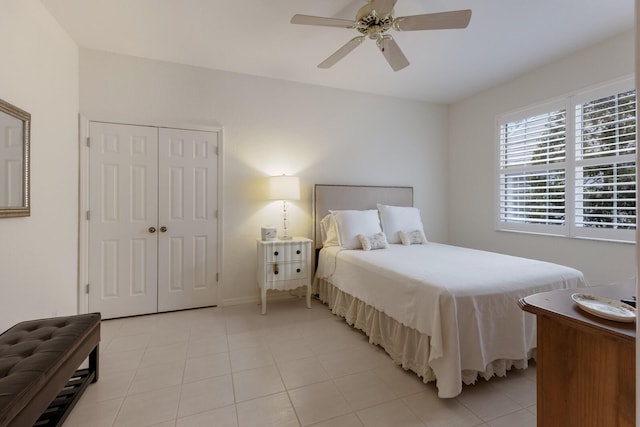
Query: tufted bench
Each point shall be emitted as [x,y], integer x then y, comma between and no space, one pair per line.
[39,377]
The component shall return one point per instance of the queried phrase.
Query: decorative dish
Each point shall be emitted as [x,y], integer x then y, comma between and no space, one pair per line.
[605,307]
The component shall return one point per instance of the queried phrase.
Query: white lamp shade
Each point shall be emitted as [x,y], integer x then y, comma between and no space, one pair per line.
[284,187]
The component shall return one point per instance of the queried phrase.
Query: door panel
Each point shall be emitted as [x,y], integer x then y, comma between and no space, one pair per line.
[123,201]
[187,259]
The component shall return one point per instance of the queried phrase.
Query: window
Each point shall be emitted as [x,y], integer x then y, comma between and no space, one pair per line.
[569,167]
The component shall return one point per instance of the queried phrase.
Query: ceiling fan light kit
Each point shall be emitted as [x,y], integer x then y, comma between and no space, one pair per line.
[376,18]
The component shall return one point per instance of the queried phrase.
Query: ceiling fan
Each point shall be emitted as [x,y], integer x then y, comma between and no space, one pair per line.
[374,20]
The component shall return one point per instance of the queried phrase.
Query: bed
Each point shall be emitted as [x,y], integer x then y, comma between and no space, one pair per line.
[449,314]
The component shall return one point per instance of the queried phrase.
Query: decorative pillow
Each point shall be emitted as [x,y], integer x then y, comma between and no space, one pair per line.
[377,241]
[329,231]
[416,237]
[350,223]
[397,218]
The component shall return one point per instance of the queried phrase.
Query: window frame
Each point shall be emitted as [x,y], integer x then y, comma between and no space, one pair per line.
[568,103]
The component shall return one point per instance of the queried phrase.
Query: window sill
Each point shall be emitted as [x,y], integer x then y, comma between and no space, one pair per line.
[564,236]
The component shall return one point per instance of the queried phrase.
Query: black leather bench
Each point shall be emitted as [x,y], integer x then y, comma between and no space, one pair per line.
[39,377]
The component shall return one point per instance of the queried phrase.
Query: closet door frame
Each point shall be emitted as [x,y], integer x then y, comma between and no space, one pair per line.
[83,205]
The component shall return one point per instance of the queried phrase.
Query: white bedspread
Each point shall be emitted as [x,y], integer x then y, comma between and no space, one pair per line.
[465,300]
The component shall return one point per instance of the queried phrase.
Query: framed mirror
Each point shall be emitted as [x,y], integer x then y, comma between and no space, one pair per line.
[15,130]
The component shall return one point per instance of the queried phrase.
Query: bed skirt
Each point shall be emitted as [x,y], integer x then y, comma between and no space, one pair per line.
[406,346]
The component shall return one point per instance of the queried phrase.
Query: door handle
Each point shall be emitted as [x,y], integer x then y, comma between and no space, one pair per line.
[163,229]
[152,229]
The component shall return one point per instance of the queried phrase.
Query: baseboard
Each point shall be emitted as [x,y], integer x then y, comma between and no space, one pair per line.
[273,295]
[241,300]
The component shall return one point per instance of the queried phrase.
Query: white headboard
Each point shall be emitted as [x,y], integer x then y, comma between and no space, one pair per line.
[326,197]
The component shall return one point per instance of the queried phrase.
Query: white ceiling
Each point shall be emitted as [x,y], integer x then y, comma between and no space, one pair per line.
[505,38]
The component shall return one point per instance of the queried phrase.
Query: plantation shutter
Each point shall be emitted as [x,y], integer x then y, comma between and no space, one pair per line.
[532,169]
[605,174]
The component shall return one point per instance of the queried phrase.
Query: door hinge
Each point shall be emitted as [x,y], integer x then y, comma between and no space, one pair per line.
[217,151]
[86,288]
[215,214]
[88,215]
[217,277]
[88,141]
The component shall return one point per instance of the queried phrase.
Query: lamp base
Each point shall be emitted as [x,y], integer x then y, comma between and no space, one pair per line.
[286,238]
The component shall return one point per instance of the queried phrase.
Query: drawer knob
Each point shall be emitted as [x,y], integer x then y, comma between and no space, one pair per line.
[298,252]
[297,270]
[275,272]
[275,253]
[275,268]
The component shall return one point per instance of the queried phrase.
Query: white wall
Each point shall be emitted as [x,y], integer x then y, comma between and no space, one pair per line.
[472,159]
[272,127]
[38,254]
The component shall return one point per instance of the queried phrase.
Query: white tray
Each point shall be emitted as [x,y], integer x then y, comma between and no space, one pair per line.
[605,307]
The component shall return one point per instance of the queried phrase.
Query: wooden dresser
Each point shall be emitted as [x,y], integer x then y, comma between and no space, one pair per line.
[585,364]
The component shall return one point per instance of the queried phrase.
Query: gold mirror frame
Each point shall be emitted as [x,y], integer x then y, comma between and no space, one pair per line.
[25,118]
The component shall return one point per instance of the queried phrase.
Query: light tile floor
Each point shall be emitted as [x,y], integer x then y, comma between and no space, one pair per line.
[231,366]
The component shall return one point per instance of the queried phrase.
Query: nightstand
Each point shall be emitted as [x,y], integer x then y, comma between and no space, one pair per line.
[284,265]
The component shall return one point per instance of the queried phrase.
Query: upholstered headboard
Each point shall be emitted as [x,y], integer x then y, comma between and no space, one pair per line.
[326,197]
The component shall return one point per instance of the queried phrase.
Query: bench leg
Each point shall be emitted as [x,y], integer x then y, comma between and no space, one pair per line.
[94,362]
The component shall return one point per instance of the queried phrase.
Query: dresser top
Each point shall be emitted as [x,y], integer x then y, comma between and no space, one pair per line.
[279,241]
[558,304]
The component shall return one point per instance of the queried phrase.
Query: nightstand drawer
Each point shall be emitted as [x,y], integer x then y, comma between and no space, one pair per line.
[285,252]
[285,271]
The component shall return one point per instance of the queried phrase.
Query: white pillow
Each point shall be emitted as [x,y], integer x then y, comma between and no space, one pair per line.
[377,241]
[329,231]
[350,223]
[415,237]
[398,218]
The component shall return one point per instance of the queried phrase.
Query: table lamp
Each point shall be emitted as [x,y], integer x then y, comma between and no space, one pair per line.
[284,188]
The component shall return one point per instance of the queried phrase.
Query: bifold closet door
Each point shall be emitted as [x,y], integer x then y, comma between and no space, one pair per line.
[123,216]
[152,219]
[187,210]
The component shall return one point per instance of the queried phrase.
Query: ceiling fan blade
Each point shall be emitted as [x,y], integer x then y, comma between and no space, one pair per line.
[383,7]
[392,52]
[342,52]
[318,20]
[433,21]
[351,8]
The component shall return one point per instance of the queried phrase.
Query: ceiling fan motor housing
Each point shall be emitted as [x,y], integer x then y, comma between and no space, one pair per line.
[373,25]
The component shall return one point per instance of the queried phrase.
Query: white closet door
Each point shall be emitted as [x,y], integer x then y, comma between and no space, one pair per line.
[123,218]
[187,258]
